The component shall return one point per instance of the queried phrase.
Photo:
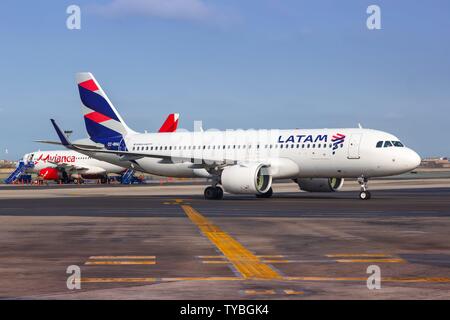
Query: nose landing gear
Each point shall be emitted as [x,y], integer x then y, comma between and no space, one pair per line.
[364,194]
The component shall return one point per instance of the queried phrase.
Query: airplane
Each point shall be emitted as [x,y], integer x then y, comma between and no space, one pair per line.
[69,165]
[242,161]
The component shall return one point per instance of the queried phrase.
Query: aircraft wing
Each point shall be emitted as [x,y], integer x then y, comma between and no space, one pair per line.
[68,166]
[127,155]
[87,146]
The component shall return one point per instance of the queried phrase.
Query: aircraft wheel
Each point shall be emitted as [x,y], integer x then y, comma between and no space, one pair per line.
[219,195]
[267,194]
[210,193]
[364,195]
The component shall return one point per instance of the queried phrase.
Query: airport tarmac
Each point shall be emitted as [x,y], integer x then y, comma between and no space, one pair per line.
[167,242]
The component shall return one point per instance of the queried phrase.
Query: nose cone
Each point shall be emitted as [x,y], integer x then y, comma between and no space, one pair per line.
[412,159]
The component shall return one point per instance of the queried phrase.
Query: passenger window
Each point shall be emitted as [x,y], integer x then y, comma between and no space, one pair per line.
[387,144]
[379,144]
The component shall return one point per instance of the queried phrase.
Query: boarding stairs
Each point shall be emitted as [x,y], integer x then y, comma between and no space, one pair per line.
[20,169]
[128,177]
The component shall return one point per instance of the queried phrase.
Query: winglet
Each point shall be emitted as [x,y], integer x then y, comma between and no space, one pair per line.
[61,134]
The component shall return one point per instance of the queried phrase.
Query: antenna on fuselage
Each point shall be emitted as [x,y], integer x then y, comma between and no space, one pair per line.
[360,126]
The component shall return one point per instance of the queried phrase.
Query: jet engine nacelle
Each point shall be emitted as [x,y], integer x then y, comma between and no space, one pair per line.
[50,174]
[246,178]
[320,184]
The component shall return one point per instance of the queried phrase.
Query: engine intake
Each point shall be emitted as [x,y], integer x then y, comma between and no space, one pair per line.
[246,178]
[320,184]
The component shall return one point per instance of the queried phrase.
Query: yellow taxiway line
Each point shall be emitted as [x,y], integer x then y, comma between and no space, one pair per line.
[385,279]
[117,280]
[259,292]
[245,262]
[293,292]
[120,262]
[393,260]
[121,257]
[358,255]
[152,280]
[305,279]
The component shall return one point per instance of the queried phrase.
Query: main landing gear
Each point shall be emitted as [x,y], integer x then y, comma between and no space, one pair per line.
[364,194]
[266,194]
[213,193]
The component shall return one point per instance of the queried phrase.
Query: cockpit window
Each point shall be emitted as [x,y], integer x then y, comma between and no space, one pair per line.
[397,144]
[389,144]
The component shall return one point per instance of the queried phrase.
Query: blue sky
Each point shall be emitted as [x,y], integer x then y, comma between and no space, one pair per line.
[232,64]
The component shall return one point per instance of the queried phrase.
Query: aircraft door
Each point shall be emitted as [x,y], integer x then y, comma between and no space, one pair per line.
[353,146]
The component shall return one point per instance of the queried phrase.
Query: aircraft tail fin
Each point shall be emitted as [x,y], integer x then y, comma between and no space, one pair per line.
[171,123]
[103,123]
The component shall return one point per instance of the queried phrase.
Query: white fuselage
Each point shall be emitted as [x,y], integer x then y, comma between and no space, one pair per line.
[289,153]
[74,162]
